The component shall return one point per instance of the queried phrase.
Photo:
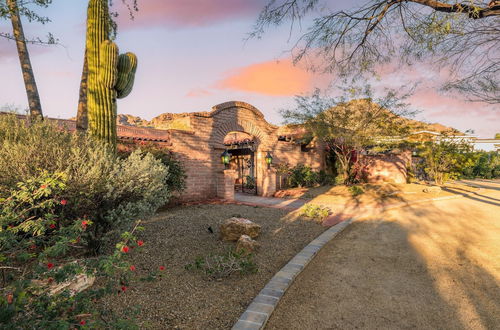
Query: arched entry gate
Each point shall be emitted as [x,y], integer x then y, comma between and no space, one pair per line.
[241,146]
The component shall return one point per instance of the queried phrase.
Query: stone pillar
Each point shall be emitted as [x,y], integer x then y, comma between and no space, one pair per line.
[268,187]
[225,184]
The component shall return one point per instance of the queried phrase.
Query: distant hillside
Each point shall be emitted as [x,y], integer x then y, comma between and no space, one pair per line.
[180,121]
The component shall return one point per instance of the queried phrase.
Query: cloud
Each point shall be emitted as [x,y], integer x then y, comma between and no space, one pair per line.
[189,13]
[198,92]
[277,78]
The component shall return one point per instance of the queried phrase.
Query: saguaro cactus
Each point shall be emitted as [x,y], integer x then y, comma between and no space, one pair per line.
[109,76]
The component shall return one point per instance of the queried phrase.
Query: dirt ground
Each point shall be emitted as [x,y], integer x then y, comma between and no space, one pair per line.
[375,194]
[431,266]
[186,299]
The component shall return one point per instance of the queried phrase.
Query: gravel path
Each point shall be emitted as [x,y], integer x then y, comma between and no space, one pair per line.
[185,299]
[433,266]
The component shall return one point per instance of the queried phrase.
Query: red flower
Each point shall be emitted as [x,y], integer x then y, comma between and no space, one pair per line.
[10,298]
[43,186]
[124,288]
[132,267]
[162,268]
[84,224]
[50,265]
[33,247]
[140,243]
[82,322]
[52,226]
[125,249]
[64,202]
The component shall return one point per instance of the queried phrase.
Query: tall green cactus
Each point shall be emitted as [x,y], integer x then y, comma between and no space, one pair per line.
[109,76]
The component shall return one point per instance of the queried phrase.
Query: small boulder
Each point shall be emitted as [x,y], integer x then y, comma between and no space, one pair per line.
[233,228]
[78,284]
[246,245]
[432,190]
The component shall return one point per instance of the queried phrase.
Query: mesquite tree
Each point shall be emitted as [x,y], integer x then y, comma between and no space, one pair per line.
[462,36]
[352,122]
[13,10]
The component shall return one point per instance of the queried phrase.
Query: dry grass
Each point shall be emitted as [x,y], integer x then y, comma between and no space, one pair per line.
[186,299]
[427,266]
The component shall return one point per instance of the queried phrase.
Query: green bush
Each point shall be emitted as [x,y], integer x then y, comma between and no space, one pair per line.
[110,191]
[484,165]
[325,179]
[316,212]
[356,191]
[444,160]
[249,182]
[302,176]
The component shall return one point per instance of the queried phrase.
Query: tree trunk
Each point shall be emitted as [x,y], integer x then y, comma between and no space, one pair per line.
[81,116]
[24,57]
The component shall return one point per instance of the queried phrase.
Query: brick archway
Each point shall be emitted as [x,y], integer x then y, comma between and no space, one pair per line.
[240,117]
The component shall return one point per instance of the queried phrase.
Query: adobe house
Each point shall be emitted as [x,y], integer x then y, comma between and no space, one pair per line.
[239,131]
[199,139]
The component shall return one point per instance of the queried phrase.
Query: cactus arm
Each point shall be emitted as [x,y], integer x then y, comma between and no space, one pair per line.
[127,66]
[108,72]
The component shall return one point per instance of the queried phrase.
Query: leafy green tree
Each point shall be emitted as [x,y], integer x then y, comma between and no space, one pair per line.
[446,158]
[497,136]
[462,35]
[13,10]
[352,122]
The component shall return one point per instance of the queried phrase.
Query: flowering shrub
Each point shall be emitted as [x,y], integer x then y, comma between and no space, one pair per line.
[112,191]
[41,251]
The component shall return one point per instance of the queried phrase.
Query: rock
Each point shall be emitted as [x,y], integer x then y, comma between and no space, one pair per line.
[432,189]
[233,228]
[78,284]
[246,245]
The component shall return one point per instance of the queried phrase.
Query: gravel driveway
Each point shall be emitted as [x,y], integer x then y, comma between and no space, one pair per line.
[427,266]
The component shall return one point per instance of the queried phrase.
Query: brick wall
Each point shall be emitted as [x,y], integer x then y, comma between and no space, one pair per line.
[199,148]
[385,168]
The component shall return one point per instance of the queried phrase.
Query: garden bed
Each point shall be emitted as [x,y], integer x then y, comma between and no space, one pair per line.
[188,299]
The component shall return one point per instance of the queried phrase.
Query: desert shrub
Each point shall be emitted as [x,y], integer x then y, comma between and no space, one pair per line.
[176,180]
[445,160]
[316,212]
[222,265]
[302,176]
[110,191]
[40,249]
[356,191]
[325,178]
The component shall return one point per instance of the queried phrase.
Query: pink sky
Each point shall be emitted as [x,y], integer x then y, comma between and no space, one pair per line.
[192,55]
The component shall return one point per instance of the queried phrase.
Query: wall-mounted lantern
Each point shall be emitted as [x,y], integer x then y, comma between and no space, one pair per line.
[269,160]
[225,158]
